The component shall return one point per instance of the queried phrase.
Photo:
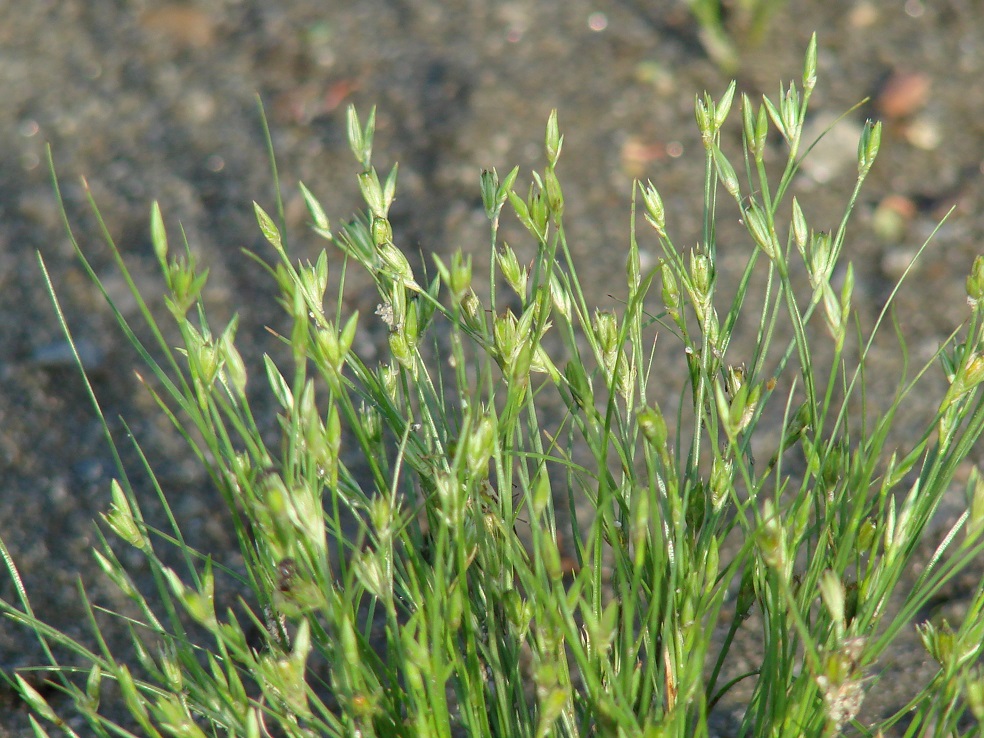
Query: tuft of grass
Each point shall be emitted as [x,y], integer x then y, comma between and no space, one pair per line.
[416,541]
[723,26]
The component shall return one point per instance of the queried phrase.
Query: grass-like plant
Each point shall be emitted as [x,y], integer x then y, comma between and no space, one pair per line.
[723,26]
[404,540]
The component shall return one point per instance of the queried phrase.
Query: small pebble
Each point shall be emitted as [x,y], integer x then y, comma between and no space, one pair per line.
[836,152]
[903,94]
[636,155]
[924,134]
[892,216]
[181,24]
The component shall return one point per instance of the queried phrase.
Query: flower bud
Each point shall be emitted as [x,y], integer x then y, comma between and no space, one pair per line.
[481,445]
[38,703]
[696,508]
[721,482]
[382,231]
[579,386]
[748,123]
[655,213]
[760,231]
[555,196]
[705,119]
[489,186]
[506,341]
[401,350]
[320,223]
[975,282]
[761,133]
[810,65]
[372,193]
[560,295]
[121,520]
[653,426]
[395,265]
[671,292]
[389,380]
[868,146]
[515,275]
[700,273]
[800,232]
[554,141]
[268,228]
[771,539]
[94,682]
[359,138]
[789,108]
[938,641]
[723,106]
[606,330]
[726,173]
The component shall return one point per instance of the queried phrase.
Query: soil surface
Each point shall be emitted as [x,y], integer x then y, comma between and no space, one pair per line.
[157,101]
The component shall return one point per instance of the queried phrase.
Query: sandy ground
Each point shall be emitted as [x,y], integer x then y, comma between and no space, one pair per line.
[158,101]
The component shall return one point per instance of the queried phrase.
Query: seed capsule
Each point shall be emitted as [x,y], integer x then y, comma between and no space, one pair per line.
[286,574]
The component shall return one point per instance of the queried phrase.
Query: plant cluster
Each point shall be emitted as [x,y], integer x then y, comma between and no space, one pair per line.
[415,542]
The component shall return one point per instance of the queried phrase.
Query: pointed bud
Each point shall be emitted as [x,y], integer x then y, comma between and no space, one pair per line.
[372,194]
[760,231]
[606,330]
[360,139]
[705,119]
[655,213]
[560,295]
[555,196]
[670,291]
[868,146]
[121,520]
[776,116]
[578,383]
[938,641]
[723,106]
[726,173]
[761,133]
[722,471]
[319,219]
[975,282]
[748,124]
[771,539]
[481,445]
[268,228]
[800,231]
[515,275]
[700,273]
[36,701]
[810,65]
[554,141]
[790,111]
[158,235]
[653,426]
